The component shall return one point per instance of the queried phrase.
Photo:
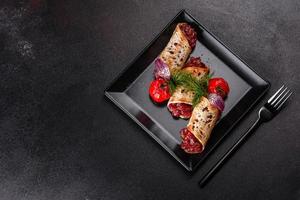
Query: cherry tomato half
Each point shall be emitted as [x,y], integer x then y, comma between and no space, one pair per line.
[159,90]
[218,86]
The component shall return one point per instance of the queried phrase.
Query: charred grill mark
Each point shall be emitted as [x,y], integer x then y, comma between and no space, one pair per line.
[205,109]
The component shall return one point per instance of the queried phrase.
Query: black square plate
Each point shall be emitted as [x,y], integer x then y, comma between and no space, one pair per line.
[130,91]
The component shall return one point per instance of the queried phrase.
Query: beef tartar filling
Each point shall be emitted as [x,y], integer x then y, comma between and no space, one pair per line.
[195,62]
[189,143]
[190,34]
[181,110]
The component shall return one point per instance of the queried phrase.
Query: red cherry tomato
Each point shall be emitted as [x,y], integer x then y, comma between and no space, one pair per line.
[159,90]
[218,86]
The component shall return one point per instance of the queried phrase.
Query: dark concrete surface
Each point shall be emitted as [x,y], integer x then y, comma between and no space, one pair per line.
[60,138]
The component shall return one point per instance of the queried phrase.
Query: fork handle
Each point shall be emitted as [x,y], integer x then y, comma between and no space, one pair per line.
[243,138]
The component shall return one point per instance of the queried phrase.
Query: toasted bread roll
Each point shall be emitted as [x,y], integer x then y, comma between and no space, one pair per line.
[182,95]
[177,50]
[203,120]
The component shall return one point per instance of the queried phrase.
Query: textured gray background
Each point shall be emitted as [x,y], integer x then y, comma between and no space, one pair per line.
[58,134]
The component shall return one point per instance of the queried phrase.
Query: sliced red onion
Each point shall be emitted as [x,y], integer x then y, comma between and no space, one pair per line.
[161,70]
[217,101]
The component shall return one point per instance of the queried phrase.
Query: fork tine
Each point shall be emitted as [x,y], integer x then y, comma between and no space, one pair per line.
[279,96]
[278,108]
[274,95]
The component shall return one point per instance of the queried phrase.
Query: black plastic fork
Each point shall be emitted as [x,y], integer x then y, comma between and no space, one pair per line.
[266,113]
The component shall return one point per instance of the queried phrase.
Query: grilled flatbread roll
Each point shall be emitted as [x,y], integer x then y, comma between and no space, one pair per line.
[180,103]
[203,120]
[178,48]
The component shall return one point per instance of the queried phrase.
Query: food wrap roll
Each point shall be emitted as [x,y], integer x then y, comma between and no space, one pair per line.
[181,101]
[179,47]
[203,120]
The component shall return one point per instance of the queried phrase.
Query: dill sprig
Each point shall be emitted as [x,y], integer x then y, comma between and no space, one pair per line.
[199,87]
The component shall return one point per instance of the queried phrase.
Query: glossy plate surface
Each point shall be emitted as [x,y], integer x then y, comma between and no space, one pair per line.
[130,91]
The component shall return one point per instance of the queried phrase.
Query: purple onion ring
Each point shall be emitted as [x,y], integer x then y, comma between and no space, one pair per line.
[161,70]
[217,101]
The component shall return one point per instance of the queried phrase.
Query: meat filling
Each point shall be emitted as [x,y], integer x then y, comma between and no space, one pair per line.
[189,143]
[181,110]
[190,34]
[195,62]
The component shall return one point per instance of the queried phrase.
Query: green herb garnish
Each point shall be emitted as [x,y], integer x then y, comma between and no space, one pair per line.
[199,87]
